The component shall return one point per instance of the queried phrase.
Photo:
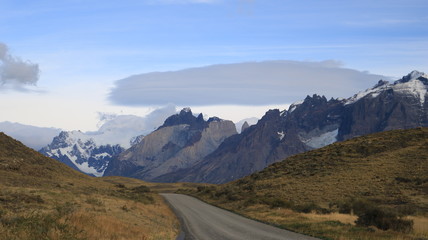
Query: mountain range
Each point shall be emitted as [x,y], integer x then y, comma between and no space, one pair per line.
[312,123]
[189,148]
[90,152]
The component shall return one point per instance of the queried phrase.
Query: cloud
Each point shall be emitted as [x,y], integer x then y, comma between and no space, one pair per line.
[157,117]
[251,83]
[143,125]
[15,73]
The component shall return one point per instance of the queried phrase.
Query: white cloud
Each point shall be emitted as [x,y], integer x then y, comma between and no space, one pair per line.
[31,136]
[251,83]
[145,124]
[16,73]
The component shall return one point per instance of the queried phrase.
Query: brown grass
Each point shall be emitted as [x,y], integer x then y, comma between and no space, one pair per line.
[388,170]
[41,198]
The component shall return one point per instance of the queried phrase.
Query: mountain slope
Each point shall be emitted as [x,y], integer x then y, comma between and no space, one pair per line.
[41,198]
[180,142]
[387,169]
[26,164]
[313,123]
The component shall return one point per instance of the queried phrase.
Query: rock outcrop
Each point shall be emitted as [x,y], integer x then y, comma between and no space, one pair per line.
[179,143]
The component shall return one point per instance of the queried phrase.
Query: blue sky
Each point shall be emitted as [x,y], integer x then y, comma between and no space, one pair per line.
[83,47]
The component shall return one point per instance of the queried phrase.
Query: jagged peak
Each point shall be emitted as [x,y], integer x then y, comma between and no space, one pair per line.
[271,113]
[214,119]
[381,83]
[414,75]
[185,116]
[293,106]
[244,126]
[415,83]
[186,111]
[315,99]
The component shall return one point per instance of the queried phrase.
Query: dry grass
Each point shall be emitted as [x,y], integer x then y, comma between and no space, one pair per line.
[120,219]
[84,215]
[421,225]
[41,198]
[388,170]
[340,217]
[155,187]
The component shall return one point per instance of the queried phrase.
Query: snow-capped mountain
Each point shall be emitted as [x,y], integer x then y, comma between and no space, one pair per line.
[313,123]
[81,152]
[90,152]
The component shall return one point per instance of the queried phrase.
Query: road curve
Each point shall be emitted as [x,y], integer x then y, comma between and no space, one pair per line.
[201,221]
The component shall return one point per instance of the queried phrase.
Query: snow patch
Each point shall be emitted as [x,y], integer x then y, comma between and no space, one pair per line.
[373,92]
[414,87]
[281,135]
[322,140]
[294,105]
[101,155]
[410,84]
[84,167]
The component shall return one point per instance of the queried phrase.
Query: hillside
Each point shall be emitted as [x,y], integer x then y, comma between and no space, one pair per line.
[41,198]
[388,170]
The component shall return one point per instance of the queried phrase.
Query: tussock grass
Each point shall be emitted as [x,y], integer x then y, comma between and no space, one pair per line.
[376,181]
[41,198]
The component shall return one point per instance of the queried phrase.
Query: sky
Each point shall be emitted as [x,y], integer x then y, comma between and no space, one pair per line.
[65,63]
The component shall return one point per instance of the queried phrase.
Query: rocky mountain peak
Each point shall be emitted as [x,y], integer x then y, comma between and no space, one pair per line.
[245,126]
[381,83]
[184,117]
[271,114]
[214,119]
[315,99]
[414,75]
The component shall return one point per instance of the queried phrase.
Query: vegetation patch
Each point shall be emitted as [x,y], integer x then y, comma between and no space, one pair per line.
[370,187]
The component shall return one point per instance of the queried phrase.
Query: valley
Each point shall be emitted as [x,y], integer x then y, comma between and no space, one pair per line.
[352,168]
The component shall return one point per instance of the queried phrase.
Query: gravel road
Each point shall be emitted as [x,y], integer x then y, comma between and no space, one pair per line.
[202,221]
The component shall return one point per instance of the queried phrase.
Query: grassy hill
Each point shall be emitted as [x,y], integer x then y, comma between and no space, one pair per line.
[377,178]
[41,198]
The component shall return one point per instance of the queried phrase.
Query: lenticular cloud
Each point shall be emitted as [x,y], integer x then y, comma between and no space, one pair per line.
[250,83]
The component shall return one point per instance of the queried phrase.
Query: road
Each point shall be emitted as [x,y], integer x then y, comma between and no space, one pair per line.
[202,221]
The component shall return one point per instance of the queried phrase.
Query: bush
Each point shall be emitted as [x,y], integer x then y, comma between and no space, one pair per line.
[275,202]
[384,220]
[141,189]
[310,207]
[95,202]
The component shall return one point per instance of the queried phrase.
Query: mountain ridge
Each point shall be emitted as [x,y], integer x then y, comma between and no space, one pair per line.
[182,140]
[313,123]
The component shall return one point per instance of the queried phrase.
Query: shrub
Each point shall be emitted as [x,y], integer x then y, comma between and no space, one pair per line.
[141,189]
[275,202]
[95,202]
[384,220]
[310,207]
